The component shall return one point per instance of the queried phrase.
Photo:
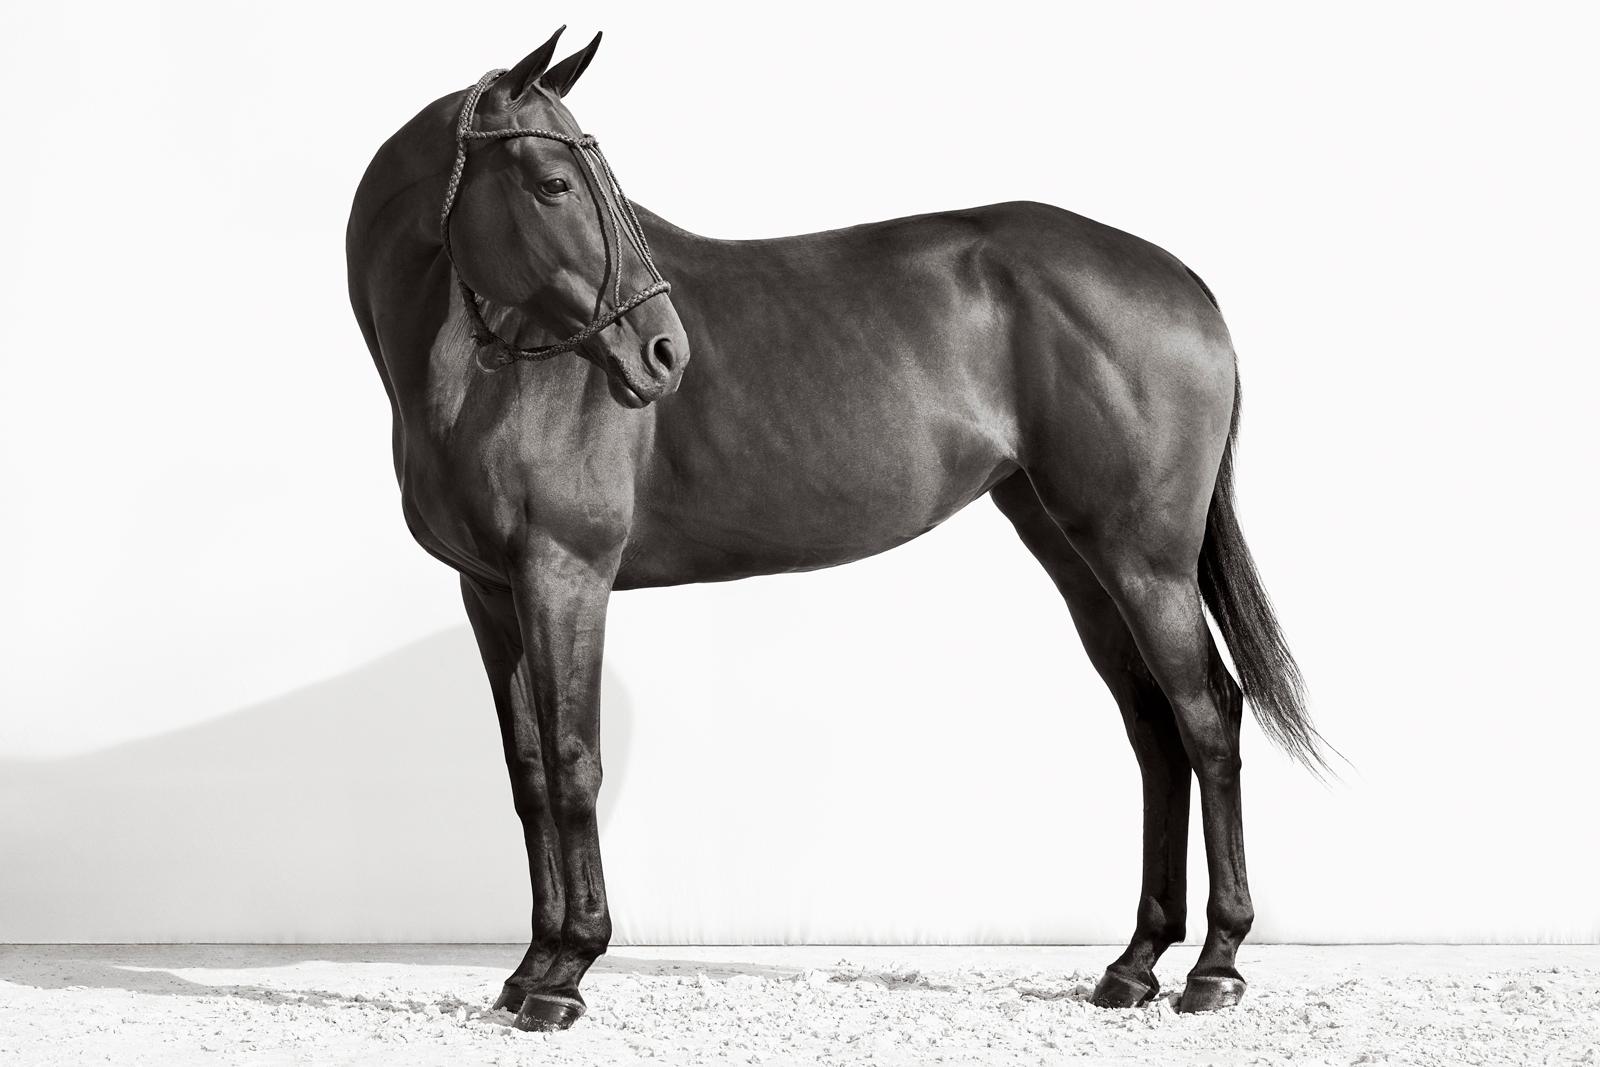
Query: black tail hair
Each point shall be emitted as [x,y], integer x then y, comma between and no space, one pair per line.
[1233,592]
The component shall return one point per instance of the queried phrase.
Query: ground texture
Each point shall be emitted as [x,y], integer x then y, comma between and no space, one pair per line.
[429,1004]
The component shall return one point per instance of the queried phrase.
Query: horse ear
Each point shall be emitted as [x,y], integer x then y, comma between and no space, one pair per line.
[521,76]
[564,75]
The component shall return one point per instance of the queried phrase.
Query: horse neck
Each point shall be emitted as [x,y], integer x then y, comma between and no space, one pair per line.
[670,242]
[393,247]
[400,195]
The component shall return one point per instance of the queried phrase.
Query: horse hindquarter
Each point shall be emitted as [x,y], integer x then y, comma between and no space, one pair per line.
[1122,446]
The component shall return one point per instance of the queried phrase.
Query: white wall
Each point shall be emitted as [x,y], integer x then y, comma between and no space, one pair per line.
[240,704]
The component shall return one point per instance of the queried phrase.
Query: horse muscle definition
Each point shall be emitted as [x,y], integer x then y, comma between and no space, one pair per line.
[849,391]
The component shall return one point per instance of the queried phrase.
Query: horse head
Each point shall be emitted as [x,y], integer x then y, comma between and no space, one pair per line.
[537,225]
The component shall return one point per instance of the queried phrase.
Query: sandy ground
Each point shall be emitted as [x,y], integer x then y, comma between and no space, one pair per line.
[427,1004]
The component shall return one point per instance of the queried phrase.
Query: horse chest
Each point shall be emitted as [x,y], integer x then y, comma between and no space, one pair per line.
[503,474]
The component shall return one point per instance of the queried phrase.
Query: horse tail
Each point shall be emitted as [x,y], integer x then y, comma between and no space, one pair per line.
[1232,590]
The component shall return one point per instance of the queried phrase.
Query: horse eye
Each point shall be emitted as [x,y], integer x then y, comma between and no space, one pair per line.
[554,186]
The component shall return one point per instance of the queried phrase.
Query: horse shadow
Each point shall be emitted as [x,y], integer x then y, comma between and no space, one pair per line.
[156,970]
[373,806]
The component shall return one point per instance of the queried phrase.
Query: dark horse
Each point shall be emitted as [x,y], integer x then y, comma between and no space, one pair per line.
[851,390]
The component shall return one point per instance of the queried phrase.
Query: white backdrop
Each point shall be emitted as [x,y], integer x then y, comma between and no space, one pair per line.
[239,703]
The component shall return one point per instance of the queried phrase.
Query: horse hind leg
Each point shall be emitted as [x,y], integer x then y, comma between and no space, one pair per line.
[1152,730]
[1141,530]
[1160,599]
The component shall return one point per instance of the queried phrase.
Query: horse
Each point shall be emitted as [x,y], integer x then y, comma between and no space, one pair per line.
[850,390]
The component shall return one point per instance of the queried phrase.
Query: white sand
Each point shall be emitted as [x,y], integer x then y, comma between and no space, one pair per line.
[428,1004]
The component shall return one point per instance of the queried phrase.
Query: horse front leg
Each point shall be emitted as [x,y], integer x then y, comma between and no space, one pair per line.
[494,623]
[560,598]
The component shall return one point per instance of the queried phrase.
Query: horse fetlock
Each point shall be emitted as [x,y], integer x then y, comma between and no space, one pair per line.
[1161,924]
[1233,918]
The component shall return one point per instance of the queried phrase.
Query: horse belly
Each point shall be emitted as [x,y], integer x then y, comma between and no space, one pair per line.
[812,507]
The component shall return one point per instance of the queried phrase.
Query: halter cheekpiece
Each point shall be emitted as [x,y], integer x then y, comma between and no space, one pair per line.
[495,351]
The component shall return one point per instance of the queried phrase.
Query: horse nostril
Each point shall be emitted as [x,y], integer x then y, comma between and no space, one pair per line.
[662,353]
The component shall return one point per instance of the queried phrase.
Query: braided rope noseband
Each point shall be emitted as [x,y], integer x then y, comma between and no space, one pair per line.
[495,351]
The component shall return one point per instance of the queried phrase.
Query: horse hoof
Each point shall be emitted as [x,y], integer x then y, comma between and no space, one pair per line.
[1209,992]
[1120,991]
[545,1012]
[510,998]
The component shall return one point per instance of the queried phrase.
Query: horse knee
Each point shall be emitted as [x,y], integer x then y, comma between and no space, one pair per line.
[576,789]
[528,794]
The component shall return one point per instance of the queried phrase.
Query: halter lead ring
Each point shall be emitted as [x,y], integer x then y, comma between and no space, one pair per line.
[495,351]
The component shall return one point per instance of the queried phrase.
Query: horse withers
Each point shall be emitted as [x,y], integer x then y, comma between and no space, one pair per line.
[848,391]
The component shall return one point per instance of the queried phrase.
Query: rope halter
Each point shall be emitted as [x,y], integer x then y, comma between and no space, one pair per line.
[495,351]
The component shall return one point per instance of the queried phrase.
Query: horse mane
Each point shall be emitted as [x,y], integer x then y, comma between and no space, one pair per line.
[419,152]
[1204,288]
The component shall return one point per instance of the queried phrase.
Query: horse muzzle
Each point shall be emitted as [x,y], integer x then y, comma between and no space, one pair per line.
[658,373]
